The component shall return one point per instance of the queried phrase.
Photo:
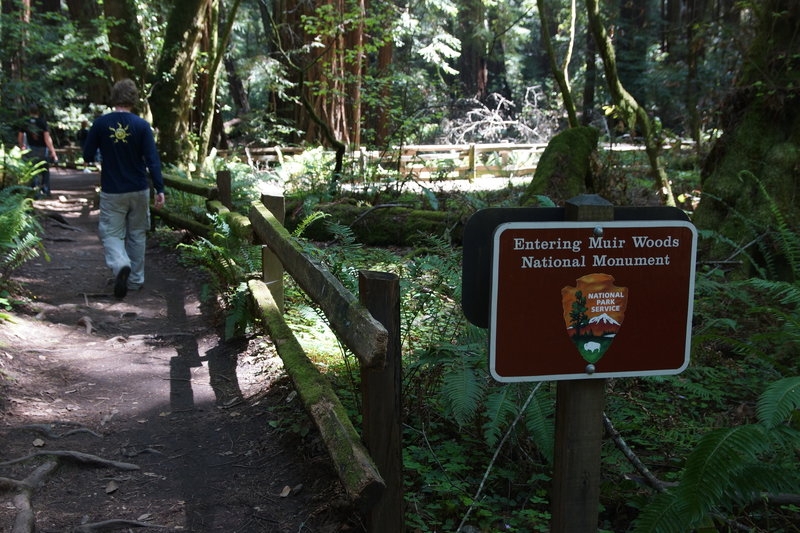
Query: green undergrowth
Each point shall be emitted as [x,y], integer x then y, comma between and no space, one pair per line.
[479,454]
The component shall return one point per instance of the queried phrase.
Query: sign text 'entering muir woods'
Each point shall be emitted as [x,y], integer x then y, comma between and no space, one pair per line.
[574,300]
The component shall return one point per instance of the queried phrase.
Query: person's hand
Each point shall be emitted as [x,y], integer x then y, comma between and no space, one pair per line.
[158,203]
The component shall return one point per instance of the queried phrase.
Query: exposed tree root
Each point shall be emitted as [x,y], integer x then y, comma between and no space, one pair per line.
[25,520]
[49,431]
[112,525]
[79,457]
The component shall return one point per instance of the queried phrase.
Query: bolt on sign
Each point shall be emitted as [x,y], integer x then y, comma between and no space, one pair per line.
[575,300]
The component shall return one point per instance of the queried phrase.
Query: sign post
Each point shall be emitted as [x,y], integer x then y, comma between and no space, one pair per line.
[577,295]
[575,499]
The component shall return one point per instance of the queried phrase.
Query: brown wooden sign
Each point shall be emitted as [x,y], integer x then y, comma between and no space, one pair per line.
[575,300]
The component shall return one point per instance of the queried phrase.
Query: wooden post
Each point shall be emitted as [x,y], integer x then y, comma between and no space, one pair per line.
[271,267]
[473,163]
[379,292]
[225,188]
[579,422]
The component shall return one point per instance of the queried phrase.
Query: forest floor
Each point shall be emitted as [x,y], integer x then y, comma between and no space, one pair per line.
[176,419]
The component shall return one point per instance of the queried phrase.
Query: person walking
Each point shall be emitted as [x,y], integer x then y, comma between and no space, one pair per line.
[128,149]
[34,136]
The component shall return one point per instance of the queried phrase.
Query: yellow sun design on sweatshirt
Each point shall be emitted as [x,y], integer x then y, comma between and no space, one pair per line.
[120,133]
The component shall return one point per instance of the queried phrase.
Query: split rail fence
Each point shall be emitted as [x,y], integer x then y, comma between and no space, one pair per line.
[425,161]
[369,465]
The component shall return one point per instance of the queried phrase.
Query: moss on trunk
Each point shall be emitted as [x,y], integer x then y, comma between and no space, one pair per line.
[760,146]
[564,170]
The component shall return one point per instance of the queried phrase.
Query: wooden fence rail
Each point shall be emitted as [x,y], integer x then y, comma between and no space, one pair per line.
[363,481]
[425,161]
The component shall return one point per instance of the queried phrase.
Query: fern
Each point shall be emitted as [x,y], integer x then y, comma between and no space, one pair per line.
[733,466]
[709,468]
[666,513]
[500,408]
[462,389]
[788,240]
[540,423]
[778,401]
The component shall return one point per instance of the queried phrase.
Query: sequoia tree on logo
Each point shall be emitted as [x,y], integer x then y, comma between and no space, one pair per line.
[593,312]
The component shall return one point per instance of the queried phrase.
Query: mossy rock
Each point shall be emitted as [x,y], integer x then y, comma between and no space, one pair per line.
[564,170]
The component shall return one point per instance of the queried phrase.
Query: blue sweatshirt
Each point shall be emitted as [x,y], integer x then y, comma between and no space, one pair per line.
[128,150]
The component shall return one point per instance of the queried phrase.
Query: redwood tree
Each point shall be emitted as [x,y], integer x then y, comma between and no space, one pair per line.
[173,89]
[759,150]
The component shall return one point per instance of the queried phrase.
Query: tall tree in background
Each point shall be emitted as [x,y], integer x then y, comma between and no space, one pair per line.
[85,14]
[760,145]
[473,32]
[561,74]
[126,47]
[173,90]
[634,115]
[217,46]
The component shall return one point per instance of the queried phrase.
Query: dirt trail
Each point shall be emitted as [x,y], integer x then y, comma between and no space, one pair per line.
[150,382]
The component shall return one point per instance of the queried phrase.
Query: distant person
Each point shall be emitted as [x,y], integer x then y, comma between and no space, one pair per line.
[34,136]
[129,154]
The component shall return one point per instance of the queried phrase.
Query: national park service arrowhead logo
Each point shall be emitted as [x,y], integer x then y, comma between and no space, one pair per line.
[594,311]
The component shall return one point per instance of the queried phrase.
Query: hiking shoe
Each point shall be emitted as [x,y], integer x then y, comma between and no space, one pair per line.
[121,282]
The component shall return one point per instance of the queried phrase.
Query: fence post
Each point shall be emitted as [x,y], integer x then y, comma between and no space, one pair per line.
[379,292]
[225,188]
[271,267]
[473,163]
[579,422]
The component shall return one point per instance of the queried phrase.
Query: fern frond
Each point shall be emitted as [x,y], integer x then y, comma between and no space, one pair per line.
[462,391]
[787,239]
[500,407]
[540,423]
[754,479]
[778,401]
[307,221]
[666,513]
[786,293]
[712,463]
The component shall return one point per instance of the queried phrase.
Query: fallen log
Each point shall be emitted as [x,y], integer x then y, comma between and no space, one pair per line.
[357,472]
[178,221]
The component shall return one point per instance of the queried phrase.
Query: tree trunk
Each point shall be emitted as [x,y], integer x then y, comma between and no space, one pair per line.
[473,70]
[633,114]
[760,146]
[236,87]
[84,13]
[173,91]
[559,74]
[590,78]
[210,100]
[12,46]
[127,48]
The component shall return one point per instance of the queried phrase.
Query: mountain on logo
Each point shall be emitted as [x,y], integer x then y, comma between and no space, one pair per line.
[603,319]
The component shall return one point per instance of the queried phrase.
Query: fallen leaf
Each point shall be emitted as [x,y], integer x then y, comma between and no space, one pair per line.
[145,516]
[286,491]
[142,421]
[164,413]
[111,487]
[38,443]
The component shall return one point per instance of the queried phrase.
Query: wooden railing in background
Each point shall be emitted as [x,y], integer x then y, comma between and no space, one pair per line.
[424,161]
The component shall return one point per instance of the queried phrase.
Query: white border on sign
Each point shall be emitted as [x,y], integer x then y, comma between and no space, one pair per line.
[570,225]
